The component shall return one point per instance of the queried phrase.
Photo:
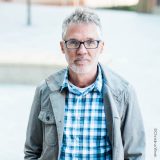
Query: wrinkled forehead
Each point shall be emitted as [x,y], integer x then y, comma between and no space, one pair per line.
[82,31]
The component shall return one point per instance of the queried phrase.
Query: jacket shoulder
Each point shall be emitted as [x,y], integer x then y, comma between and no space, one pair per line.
[51,81]
[115,81]
[120,87]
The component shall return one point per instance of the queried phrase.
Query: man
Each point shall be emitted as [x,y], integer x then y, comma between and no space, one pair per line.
[84,111]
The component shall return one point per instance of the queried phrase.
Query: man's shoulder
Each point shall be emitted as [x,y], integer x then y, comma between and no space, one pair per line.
[117,78]
[119,87]
[115,82]
[52,80]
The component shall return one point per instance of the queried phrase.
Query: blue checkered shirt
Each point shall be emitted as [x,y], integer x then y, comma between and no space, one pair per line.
[85,134]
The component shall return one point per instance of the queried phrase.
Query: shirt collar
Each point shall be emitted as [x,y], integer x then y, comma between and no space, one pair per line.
[65,81]
[97,85]
[99,80]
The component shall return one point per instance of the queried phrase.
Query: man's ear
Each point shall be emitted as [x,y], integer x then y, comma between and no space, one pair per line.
[62,46]
[102,46]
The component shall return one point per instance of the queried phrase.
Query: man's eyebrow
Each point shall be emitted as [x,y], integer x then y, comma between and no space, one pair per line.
[73,39]
[90,38]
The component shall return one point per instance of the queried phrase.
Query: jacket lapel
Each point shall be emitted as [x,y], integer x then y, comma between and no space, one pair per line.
[110,111]
[58,103]
[111,97]
[57,99]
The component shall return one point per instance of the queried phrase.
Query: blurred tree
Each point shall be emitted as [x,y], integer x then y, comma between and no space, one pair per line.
[146,5]
[28,12]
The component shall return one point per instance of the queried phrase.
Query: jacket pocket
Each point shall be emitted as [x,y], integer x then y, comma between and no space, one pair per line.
[50,130]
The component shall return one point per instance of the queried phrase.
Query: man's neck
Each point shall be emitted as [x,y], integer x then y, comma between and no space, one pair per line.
[82,80]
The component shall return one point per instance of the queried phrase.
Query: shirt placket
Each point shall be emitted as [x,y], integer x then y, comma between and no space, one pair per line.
[78,120]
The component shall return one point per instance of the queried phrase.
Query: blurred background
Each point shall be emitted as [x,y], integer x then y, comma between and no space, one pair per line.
[30,31]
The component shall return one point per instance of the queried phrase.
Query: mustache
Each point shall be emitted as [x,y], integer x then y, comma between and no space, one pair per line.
[81,59]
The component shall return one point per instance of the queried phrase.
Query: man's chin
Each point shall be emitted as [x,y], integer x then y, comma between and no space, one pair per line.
[81,69]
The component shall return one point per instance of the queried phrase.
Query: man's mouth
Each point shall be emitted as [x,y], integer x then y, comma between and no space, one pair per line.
[81,61]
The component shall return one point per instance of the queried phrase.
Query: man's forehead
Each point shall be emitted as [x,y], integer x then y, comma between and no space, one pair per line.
[81,26]
[82,30]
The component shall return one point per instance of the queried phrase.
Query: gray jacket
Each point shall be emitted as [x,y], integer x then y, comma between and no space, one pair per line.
[124,121]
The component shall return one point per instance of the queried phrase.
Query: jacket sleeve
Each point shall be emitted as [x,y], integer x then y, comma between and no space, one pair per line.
[34,135]
[133,132]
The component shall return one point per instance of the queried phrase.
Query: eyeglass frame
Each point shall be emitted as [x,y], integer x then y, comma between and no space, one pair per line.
[82,42]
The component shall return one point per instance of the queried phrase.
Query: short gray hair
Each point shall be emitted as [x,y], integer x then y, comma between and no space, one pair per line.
[81,15]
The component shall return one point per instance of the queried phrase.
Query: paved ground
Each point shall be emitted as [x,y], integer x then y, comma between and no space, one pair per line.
[132,49]
[15,105]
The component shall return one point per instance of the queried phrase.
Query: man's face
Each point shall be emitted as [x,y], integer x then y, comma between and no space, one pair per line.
[82,60]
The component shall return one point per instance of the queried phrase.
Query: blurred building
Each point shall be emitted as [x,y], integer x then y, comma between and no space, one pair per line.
[89,3]
[142,5]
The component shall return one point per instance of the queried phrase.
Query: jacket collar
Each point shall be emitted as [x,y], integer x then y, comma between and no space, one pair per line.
[113,81]
[55,81]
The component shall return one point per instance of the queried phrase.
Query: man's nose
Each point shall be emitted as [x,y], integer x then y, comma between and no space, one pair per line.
[81,49]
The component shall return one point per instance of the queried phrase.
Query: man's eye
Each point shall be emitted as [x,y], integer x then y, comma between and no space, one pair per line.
[74,42]
[90,42]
